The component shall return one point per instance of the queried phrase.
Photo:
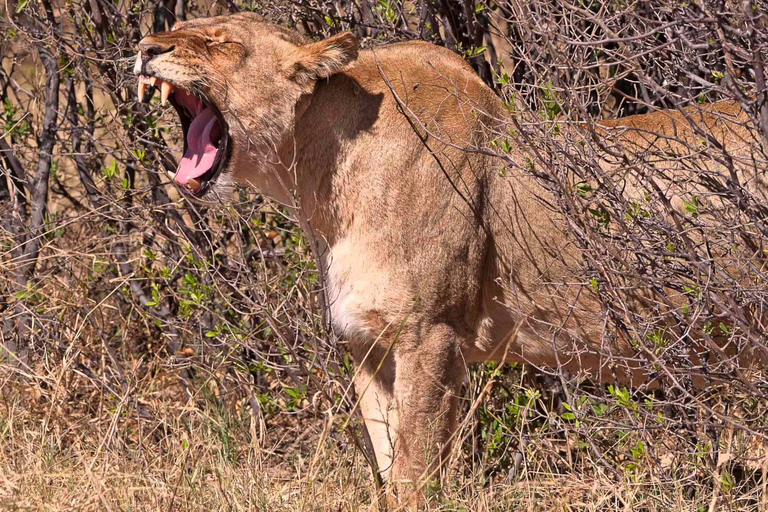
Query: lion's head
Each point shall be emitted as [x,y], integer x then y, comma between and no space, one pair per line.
[236,82]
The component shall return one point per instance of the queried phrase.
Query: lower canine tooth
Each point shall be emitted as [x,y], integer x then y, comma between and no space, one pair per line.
[165,90]
[142,89]
[171,174]
[193,184]
[152,81]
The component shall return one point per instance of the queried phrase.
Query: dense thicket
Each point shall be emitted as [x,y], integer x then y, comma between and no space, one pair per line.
[107,273]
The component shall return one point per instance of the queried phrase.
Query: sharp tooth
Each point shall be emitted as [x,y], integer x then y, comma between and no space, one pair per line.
[165,90]
[142,89]
[152,81]
[171,174]
[193,184]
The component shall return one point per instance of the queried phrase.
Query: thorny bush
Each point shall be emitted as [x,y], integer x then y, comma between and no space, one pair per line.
[110,280]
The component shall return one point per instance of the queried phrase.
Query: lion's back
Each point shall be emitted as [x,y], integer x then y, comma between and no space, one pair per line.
[431,83]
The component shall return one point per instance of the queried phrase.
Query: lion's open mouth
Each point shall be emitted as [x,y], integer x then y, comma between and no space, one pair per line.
[206,140]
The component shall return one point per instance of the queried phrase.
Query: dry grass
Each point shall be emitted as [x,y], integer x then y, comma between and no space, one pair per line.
[152,449]
[71,443]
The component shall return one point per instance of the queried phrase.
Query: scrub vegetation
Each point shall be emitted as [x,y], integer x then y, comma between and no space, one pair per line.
[161,354]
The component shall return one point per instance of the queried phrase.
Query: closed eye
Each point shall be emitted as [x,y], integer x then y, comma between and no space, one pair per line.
[214,42]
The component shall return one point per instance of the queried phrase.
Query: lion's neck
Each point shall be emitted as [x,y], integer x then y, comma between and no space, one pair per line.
[318,159]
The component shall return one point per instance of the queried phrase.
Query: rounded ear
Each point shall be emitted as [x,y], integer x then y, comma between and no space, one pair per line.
[322,59]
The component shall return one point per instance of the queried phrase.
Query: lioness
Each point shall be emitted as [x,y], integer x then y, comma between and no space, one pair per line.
[431,259]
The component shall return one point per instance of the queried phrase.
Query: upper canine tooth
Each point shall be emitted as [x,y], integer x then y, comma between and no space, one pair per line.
[142,89]
[165,90]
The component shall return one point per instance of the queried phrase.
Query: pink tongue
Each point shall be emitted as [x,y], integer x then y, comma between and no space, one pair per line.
[201,151]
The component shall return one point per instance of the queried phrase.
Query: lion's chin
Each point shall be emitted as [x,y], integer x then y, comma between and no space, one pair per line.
[217,191]
[206,137]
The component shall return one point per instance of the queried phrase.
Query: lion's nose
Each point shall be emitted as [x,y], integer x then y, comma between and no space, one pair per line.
[152,49]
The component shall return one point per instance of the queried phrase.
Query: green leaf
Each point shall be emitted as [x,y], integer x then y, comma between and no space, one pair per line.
[693,207]
[111,170]
[583,188]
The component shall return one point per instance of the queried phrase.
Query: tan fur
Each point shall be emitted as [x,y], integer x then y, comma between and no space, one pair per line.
[432,260]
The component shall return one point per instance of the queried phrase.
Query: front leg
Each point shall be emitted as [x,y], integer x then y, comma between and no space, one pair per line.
[428,374]
[374,382]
